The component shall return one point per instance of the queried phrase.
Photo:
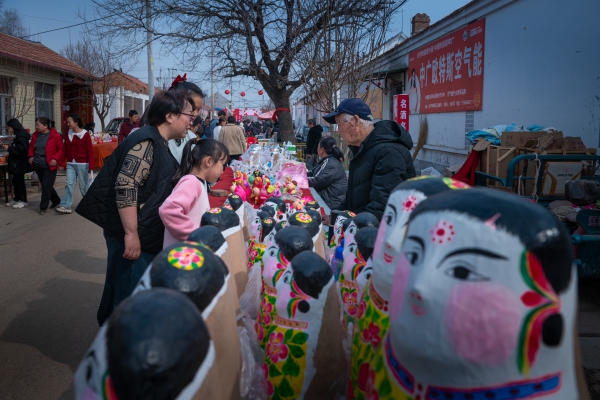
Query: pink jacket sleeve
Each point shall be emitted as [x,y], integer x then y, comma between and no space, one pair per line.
[175,209]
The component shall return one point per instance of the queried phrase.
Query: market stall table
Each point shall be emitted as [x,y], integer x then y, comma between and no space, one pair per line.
[102,151]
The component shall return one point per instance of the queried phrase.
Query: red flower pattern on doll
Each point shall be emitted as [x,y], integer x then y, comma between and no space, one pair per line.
[409,204]
[267,310]
[350,300]
[362,307]
[363,376]
[276,349]
[260,331]
[371,389]
[442,232]
[270,388]
[371,334]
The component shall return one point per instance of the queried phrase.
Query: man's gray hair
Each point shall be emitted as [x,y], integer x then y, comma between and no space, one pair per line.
[348,117]
[311,122]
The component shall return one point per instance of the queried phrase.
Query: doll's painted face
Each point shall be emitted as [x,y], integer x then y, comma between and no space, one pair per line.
[461,300]
[274,264]
[293,303]
[256,227]
[350,251]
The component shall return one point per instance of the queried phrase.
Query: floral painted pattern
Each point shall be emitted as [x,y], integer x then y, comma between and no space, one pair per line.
[285,362]
[304,218]
[186,258]
[371,327]
[380,381]
[255,253]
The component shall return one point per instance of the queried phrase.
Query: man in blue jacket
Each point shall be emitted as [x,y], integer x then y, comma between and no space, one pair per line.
[380,160]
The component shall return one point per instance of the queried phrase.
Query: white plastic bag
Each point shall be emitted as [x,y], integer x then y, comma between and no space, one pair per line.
[253,382]
[250,299]
[430,171]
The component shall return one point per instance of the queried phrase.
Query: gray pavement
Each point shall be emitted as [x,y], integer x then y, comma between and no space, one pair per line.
[52,270]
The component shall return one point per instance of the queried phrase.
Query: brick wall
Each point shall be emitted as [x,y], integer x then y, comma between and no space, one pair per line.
[24,77]
[419,22]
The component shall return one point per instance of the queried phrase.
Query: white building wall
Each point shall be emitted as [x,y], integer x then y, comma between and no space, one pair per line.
[542,62]
[116,107]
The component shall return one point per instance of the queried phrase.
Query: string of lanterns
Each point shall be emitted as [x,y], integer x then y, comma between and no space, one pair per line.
[243,94]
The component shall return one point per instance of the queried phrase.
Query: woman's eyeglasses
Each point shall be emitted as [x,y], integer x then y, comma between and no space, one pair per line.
[192,116]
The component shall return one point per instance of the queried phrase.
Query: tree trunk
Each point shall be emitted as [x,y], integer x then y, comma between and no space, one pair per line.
[281,100]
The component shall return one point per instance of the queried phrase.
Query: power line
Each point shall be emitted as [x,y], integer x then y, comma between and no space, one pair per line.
[47,19]
[66,27]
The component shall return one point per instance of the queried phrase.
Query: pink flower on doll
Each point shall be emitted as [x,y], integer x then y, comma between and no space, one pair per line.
[371,389]
[362,307]
[268,309]
[260,331]
[276,349]
[270,389]
[350,301]
[371,334]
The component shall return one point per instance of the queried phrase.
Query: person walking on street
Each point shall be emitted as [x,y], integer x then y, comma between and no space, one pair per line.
[45,154]
[315,132]
[125,197]
[381,156]
[18,163]
[221,123]
[79,153]
[214,123]
[232,137]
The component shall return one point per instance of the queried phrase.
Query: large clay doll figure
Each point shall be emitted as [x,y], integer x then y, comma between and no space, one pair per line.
[483,304]
[373,307]
[235,257]
[288,242]
[303,356]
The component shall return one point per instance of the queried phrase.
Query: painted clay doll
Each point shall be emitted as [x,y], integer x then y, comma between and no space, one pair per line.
[374,302]
[305,221]
[320,238]
[237,204]
[279,206]
[235,257]
[336,237]
[257,246]
[483,304]
[154,345]
[303,356]
[288,242]
[353,265]
[312,204]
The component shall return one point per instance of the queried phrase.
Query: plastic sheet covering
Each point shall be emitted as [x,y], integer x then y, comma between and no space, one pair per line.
[296,171]
[253,382]
[582,192]
[430,171]
[250,299]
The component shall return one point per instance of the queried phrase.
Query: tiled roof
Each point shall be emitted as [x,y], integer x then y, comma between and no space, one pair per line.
[118,78]
[37,54]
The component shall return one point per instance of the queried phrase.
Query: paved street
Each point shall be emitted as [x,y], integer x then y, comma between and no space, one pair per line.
[52,270]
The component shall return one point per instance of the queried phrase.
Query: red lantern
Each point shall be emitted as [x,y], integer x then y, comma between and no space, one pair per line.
[227,91]
[378,83]
[243,94]
[260,92]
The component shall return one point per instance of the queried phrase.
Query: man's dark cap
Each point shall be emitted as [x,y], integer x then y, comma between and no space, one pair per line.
[351,106]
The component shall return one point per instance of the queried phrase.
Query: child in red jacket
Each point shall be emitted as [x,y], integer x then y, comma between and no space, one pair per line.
[45,153]
[78,152]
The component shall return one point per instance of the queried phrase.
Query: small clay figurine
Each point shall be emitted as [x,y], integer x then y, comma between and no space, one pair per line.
[483,304]
[288,242]
[235,201]
[336,238]
[220,217]
[156,343]
[320,238]
[304,358]
[312,204]
[268,209]
[208,235]
[278,205]
[305,221]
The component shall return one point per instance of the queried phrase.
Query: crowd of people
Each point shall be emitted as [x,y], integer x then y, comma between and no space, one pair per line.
[153,189]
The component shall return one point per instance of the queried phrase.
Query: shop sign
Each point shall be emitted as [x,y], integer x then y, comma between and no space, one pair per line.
[402,110]
[446,75]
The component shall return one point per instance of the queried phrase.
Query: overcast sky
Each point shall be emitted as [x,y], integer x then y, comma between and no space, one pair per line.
[43,15]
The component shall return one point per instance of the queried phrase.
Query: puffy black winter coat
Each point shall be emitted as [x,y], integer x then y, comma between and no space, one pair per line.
[17,153]
[312,139]
[329,180]
[378,165]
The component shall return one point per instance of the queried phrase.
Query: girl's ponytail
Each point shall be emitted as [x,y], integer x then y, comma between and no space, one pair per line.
[187,161]
[330,146]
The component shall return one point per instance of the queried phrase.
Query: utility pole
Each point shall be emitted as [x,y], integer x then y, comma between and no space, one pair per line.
[150,57]
[212,82]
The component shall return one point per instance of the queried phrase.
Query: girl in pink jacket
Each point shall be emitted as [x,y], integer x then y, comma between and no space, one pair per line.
[202,161]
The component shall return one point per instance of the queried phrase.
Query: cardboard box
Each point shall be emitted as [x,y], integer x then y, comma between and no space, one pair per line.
[451,170]
[557,174]
[494,159]
[518,139]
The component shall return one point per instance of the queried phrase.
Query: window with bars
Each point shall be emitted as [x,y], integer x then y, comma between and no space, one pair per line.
[44,100]
[7,102]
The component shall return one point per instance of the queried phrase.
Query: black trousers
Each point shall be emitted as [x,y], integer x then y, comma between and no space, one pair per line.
[18,181]
[47,179]
[233,157]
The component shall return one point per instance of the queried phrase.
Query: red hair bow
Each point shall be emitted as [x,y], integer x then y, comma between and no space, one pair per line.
[178,80]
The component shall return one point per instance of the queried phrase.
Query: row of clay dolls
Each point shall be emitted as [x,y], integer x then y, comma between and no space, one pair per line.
[458,293]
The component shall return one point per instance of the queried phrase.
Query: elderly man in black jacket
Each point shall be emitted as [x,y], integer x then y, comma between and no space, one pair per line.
[381,156]
[312,142]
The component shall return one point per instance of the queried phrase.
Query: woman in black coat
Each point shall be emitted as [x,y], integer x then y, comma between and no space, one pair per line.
[328,177]
[18,162]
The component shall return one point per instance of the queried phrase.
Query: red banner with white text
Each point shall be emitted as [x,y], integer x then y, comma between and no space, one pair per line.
[401,110]
[447,75]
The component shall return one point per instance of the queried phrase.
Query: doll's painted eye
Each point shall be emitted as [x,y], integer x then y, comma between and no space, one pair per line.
[413,257]
[287,277]
[465,274]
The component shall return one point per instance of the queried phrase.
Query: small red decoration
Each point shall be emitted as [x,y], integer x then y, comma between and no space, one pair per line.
[227,91]
[177,80]
[260,92]
[243,94]
[378,83]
